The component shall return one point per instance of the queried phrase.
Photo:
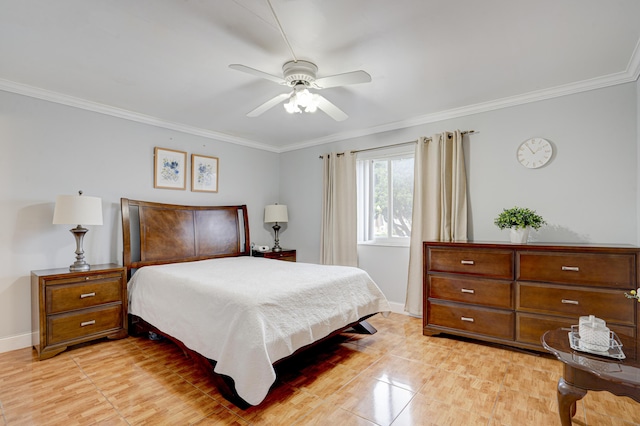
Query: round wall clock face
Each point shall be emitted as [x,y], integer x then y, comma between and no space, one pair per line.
[534,153]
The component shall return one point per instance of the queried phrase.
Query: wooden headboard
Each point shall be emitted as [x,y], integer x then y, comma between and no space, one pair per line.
[156,233]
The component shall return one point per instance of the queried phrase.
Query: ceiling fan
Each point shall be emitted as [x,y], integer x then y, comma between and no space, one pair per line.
[301,76]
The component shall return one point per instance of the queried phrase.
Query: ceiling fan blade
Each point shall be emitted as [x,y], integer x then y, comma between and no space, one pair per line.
[257,73]
[268,105]
[330,109]
[353,77]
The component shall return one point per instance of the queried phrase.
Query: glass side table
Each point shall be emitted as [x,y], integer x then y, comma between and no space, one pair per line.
[584,372]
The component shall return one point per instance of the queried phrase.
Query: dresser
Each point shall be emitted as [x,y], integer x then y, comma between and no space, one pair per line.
[285,254]
[68,308]
[512,293]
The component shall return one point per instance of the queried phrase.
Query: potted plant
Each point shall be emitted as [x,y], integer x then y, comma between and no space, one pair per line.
[520,220]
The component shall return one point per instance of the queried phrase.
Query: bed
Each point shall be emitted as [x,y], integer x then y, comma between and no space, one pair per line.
[192,279]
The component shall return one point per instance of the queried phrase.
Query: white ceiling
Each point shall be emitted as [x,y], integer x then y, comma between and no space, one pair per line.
[165,62]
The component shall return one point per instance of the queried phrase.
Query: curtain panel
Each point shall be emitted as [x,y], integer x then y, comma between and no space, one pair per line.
[439,204]
[364,196]
[338,242]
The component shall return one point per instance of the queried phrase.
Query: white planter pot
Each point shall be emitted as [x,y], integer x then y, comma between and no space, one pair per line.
[519,235]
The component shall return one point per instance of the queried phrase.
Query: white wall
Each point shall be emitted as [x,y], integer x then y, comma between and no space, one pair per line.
[50,149]
[588,192]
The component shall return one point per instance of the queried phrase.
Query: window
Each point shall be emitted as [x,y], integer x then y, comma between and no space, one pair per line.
[385,199]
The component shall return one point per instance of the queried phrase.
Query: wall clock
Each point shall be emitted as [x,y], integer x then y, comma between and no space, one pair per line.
[534,153]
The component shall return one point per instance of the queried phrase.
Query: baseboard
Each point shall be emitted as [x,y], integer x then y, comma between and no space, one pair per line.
[397,308]
[12,343]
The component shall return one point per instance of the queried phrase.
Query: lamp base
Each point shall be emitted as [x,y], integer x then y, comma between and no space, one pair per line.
[79,265]
[276,244]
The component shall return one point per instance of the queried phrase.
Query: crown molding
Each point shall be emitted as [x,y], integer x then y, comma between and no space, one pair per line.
[47,95]
[582,86]
[629,75]
[633,68]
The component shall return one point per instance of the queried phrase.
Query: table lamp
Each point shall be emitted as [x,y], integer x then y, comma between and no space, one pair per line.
[76,210]
[275,213]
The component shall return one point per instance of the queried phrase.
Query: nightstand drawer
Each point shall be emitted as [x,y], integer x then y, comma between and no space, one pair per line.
[478,291]
[488,322]
[490,263]
[68,297]
[285,254]
[572,301]
[585,269]
[65,327]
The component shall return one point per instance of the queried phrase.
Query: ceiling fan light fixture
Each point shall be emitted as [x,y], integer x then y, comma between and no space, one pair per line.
[302,101]
[292,107]
[304,98]
[313,105]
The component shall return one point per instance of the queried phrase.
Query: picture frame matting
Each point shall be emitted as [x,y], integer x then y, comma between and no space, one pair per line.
[204,173]
[169,169]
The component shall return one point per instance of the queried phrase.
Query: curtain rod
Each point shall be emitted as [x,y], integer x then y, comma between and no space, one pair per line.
[466,132]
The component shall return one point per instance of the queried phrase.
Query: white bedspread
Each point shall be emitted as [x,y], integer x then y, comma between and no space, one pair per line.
[246,313]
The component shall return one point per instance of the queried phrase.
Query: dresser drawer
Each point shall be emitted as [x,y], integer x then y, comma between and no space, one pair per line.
[531,327]
[484,321]
[602,270]
[609,305]
[65,327]
[477,291]
[67,297]
[490,263]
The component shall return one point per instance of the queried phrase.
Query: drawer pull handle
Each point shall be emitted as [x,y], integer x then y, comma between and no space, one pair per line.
[85,295]
[571,268]
[570,302]
[467,262]
[468,290]
[86,323]
[467,319]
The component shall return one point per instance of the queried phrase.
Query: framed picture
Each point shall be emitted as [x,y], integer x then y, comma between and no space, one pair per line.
[204,173]
[169,169]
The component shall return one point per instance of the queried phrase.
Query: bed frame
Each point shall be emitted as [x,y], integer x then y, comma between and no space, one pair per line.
[157,233]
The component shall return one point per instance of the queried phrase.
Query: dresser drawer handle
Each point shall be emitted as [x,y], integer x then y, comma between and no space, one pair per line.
[85,295]
[570,302]
[467,262]
[468,290]
[571,268]
[86,323]
[467,319]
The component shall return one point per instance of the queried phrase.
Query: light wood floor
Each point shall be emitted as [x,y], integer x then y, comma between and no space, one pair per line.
[396,376]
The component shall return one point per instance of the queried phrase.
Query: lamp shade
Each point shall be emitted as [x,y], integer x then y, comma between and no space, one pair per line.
[77,210]
[276,213]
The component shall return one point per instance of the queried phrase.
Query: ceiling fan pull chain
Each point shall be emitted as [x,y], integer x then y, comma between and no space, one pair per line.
[284,36]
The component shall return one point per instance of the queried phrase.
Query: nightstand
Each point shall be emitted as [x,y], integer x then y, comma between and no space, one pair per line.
[285,254]
[68,308]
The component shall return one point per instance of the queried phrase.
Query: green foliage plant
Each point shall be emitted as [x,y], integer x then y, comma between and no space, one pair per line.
[519,217]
